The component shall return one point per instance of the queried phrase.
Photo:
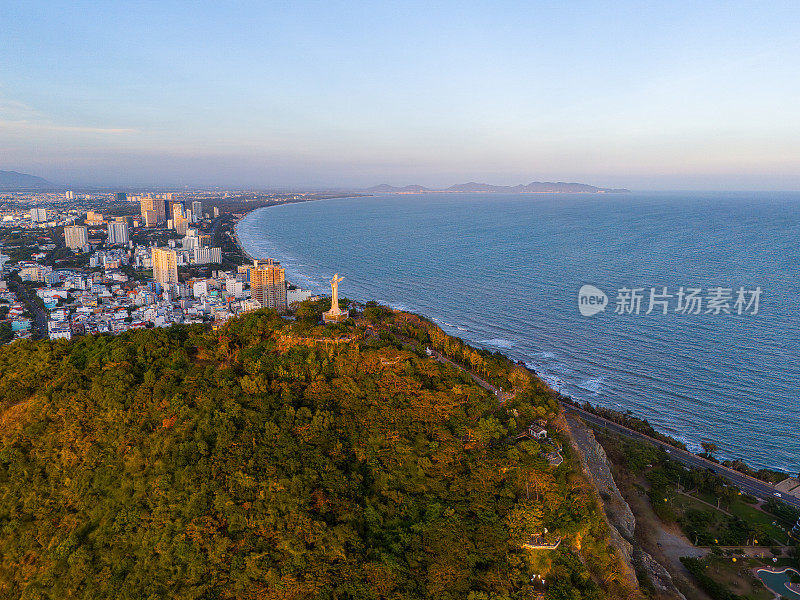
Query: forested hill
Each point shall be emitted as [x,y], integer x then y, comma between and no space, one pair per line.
[286,460]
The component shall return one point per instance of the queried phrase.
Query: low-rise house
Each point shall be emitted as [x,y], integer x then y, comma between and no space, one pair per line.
[59,330]
[536,432]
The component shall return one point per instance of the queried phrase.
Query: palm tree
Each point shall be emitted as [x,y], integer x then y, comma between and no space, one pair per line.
[709,448]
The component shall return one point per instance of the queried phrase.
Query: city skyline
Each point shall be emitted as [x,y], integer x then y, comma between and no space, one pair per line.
[352,95]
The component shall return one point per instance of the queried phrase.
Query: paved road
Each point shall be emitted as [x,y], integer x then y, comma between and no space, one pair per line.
[59,243]
[747,484]
[39,316]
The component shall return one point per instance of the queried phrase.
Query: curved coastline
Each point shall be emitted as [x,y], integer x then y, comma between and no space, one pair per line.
[674,430]
[236,238]
[235,228]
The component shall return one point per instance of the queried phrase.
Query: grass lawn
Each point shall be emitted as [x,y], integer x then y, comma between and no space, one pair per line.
[738,577]
[756,517]
[684,502]
[713,529]
[706,497]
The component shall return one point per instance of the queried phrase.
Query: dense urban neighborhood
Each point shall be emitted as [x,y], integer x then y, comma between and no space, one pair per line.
[109,262]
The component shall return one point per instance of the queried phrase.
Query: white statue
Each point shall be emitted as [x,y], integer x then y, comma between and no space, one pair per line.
[335,314]
[335,310]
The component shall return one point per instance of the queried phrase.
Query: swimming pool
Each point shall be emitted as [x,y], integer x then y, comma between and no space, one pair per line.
[777,580]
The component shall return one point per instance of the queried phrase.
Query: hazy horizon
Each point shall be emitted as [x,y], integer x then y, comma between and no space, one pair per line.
[351,95]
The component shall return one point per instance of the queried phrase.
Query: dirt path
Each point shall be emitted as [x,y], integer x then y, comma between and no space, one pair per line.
[675,545]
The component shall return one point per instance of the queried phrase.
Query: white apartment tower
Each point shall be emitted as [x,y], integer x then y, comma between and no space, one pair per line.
[38,215]
[76,236]
[118,233]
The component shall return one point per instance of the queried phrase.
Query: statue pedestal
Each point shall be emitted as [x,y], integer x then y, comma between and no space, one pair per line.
[338,316]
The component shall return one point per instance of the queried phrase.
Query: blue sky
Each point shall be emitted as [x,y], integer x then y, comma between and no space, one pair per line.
[646,95]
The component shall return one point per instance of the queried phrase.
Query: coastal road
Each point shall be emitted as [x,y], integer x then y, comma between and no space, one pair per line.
[745,483]
[217,241]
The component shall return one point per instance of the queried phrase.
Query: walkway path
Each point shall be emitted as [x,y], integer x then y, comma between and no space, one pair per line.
[481,382]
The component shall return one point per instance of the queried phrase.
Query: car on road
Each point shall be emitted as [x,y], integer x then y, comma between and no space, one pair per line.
[778,495]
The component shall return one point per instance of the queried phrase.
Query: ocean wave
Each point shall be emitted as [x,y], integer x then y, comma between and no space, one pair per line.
[498,343]
[554,381]
[593,384]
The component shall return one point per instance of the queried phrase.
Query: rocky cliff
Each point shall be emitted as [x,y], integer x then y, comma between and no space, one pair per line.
[621,520]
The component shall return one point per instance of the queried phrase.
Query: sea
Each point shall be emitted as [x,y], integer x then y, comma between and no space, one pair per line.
[699,332]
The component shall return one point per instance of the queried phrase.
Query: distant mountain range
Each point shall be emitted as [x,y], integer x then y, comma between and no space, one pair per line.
[11,180]
[535,187]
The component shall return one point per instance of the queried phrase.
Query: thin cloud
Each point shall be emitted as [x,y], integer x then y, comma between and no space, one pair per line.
[21,117]
[24,125]
[7,105]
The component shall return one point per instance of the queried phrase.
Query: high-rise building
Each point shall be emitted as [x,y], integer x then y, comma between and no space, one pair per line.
[268,284]
[180,220]
[157,206]
[192,239]
[76,236]
[38,215]
[150,218]
[165,266]
[216,212]
[118,233]
[197,211]
[181,224]
[175,209]
[145,205]
[69,195]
